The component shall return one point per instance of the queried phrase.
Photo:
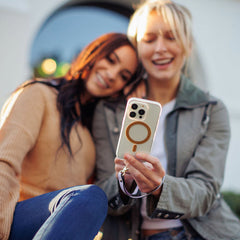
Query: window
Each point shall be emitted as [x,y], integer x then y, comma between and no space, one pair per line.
[67,31]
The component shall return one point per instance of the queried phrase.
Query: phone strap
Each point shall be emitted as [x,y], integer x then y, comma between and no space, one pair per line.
[136,192]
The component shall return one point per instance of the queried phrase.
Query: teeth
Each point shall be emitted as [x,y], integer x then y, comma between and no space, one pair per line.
[163,61]
[101,80]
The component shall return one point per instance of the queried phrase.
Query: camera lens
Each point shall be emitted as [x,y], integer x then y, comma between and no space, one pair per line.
[132,114]
[141,112]
[134,106]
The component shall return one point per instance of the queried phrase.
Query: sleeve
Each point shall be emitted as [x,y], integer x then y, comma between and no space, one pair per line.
[20,123]
[194,194]
[105,155]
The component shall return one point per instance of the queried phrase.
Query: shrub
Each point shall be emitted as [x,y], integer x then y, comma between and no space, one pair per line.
[233,200]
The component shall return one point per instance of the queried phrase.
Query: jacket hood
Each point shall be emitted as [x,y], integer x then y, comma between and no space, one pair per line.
[190,96]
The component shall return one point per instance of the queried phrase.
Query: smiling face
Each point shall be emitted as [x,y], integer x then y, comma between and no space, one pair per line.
[161,54]
[110,74]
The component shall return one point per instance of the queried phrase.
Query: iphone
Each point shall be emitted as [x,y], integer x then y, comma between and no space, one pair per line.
[139,125]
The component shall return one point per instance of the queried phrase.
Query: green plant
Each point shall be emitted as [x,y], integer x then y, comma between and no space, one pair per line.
[233,200]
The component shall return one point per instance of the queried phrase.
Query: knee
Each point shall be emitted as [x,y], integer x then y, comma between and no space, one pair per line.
[93,198]
[95,192]
[90,196]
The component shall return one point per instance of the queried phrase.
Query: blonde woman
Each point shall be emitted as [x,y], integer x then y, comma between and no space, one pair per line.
[189,150]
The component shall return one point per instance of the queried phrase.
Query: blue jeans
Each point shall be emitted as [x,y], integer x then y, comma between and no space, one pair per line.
[73,213]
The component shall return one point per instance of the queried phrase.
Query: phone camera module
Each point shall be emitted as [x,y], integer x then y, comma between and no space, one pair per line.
[141,112]
[132,114]
[134,106]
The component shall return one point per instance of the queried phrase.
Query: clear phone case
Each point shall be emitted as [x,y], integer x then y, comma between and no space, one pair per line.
[139,125]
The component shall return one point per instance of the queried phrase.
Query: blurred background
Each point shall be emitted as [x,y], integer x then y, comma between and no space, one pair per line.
[42,37]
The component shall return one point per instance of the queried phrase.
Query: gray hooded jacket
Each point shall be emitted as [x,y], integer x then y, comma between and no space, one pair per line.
[197,134]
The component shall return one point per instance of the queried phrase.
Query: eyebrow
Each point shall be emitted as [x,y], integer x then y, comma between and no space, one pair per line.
[118,59]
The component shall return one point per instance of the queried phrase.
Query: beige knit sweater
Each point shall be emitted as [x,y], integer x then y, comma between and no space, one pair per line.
[29,140]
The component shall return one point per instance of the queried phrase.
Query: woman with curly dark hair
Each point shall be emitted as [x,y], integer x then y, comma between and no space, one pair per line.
[46,145]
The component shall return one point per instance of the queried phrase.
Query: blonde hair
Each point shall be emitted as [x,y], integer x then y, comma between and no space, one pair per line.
[177,16]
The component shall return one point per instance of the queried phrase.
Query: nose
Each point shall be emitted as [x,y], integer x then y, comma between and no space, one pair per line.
[160,45]
[112,73]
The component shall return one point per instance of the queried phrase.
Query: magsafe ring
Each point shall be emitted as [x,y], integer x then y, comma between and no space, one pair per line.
[138,141]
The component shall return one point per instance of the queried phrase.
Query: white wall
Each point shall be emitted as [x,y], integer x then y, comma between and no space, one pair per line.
[216,32]
[19,21]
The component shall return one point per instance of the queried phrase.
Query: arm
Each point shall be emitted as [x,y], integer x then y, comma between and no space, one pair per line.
[20,122]
[197,185]
[196,188]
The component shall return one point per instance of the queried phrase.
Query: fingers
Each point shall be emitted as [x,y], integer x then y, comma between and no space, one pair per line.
[145,169]
[149,161]
[147,176]
[119,165]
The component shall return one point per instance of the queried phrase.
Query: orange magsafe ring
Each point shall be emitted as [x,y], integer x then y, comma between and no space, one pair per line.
[137,141]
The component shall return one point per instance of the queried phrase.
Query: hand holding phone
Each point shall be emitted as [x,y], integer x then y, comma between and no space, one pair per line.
[139,125]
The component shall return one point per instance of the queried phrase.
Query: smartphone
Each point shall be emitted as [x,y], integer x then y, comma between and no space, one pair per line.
[139,126]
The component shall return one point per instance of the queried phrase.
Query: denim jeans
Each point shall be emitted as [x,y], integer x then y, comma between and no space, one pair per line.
[170,235]
[73,213]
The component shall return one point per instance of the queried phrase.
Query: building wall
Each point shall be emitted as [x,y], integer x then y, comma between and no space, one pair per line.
[216,30]
[217,39]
